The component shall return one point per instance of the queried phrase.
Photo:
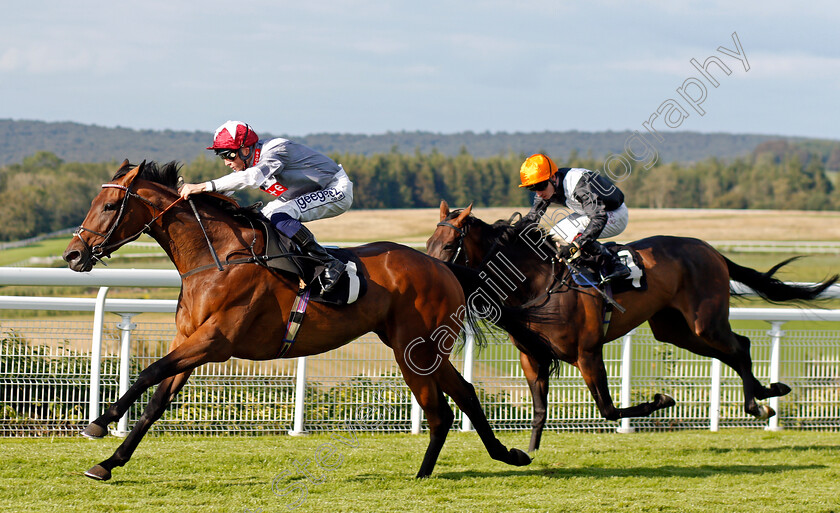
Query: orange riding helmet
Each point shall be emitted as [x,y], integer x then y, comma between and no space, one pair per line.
[536,168]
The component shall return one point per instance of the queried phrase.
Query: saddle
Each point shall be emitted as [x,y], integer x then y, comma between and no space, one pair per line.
[589,274]
[283,255]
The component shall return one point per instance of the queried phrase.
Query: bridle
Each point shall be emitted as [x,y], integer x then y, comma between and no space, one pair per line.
[103,249]
[462,233]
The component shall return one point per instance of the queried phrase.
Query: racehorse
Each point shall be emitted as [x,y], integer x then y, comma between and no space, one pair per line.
[686,304]
[241,310]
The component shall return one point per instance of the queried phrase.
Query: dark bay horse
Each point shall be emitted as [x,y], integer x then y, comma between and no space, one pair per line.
[686,304]
[242,310]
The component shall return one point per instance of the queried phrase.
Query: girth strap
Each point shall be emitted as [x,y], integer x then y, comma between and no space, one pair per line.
[608,310]
[295,320]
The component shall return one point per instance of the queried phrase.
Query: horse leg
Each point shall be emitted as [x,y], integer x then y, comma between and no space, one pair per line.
[440,418]
[713,337]
[163,396]
[591,365]
[438,413]
[188,354]
[537,377]
[463,393]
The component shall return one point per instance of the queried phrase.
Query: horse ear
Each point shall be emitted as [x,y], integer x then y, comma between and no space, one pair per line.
[444,209]
[131,175]
[463,215]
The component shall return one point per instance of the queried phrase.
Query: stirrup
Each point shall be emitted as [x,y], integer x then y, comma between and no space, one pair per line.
[620,273]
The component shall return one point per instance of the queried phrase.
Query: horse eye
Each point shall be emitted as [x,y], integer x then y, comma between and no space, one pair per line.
[109,206]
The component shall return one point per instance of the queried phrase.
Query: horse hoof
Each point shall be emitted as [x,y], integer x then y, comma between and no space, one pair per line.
[99,473]
[765,412]
[94,431]
[519,458]
[664,400]
[779,389]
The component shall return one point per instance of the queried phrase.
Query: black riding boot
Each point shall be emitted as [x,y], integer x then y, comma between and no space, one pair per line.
[612,266]
[333,268]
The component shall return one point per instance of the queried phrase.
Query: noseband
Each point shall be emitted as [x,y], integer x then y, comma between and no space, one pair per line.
[102,249]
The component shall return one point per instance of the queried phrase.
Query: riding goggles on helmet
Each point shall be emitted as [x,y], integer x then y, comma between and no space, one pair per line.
[537,187]
[226,154]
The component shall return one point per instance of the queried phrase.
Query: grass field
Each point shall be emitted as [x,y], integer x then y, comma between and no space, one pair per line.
[730,471]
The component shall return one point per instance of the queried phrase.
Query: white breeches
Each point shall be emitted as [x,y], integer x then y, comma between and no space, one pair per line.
[575,223]
[332,200]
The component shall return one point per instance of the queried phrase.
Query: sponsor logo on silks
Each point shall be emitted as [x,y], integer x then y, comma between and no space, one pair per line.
[273,187]
[317,198]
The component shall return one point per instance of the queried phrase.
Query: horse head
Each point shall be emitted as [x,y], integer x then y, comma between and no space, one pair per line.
[117,215]
[447,242]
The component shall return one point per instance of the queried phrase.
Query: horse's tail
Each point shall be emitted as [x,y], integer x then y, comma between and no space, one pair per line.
[484,304]
[772,289]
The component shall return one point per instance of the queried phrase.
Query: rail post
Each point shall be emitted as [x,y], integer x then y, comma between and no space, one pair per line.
[714,397]
[416,416]
[776,335]
[300,397]
[626,377]
[469,357]
[125,326]
[96,354]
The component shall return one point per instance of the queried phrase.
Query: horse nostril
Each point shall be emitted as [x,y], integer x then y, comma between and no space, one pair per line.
[70,256]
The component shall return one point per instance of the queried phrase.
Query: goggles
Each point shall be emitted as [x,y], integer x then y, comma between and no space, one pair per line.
[227,154]
[537,187]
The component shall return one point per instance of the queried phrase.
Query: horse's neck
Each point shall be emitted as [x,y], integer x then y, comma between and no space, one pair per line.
[515,264]
[182,238]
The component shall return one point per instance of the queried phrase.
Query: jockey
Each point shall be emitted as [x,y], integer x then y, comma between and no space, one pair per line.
[307,185]
[598,210]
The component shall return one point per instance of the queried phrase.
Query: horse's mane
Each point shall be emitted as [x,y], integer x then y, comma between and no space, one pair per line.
[167,175]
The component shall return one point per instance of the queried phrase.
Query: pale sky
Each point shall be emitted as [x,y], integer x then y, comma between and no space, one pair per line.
[371,66]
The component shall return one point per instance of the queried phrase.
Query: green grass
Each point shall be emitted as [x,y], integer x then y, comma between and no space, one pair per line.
[731,471]
[45,248]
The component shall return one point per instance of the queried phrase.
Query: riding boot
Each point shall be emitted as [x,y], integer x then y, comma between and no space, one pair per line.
[333,267]
[612,266]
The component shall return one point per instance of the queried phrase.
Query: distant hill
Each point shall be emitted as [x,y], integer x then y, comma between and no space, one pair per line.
[74,142]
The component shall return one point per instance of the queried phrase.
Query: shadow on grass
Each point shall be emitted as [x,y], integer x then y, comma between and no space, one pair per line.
[637,472]
[796,448]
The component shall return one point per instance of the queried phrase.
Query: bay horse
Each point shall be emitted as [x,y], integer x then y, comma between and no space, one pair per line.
[686,304]
[241,310]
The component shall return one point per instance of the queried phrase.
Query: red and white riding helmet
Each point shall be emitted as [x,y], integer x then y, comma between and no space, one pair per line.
[233,135]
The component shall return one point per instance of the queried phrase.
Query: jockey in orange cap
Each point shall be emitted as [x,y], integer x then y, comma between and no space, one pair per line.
[598,210]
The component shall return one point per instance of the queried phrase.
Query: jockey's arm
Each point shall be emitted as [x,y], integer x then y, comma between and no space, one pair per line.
[537,210]
[595,209]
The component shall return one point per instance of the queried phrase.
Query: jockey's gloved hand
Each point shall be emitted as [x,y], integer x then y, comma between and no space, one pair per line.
[568,252]
[529,218]
[588,246]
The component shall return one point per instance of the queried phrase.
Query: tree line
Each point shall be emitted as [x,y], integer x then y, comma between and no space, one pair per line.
[43,193]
